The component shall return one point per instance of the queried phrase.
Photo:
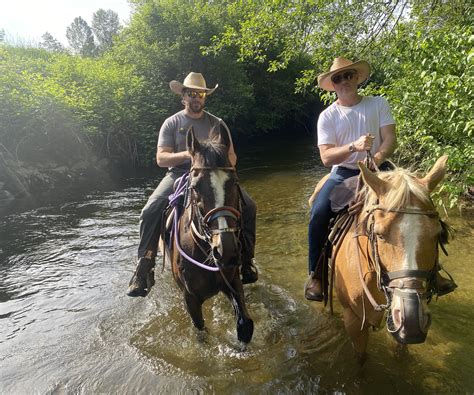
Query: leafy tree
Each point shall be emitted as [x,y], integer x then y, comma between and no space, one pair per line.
[430,85]
[421,51]
[106,26]
[50,43]
[80,37]
[165,40]
[2,35]
[265,55]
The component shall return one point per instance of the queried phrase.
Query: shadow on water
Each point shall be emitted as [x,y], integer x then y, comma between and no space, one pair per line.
[67,326]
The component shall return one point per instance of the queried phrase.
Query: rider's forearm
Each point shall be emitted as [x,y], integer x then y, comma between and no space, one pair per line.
[334,155]
[389,143]
[171,159]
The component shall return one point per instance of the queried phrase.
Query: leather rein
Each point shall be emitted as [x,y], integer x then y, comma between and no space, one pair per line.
[200,223]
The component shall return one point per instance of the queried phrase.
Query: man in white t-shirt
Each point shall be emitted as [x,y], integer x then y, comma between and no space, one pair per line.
[347,129]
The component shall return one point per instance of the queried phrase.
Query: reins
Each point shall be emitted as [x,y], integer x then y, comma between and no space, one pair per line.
[408,279]
[204,233]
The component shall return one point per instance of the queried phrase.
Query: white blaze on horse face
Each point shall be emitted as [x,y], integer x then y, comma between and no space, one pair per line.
[218,180]
[411,230]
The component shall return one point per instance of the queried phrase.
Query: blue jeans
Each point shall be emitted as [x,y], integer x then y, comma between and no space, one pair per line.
[321,214]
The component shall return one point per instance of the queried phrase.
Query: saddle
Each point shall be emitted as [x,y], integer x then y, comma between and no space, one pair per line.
[345,207]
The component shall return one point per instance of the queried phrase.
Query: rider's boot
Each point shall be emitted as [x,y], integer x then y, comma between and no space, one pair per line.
[313,289]
[143,278]
[249,271]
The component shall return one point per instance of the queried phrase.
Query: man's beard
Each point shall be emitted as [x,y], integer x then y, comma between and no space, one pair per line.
[196,107]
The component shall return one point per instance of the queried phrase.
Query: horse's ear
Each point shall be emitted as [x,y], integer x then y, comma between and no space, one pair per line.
[192,144]
[221,135]
[436,174]
[380,187]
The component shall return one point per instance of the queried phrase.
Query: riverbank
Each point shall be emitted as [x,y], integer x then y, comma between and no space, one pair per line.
[24,185]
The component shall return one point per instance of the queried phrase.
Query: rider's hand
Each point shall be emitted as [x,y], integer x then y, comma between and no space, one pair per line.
[378,158]
[364,143]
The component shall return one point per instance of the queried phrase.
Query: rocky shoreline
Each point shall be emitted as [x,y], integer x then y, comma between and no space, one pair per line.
[24,185]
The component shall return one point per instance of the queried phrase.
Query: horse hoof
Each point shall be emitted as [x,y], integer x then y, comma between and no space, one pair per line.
[245,331]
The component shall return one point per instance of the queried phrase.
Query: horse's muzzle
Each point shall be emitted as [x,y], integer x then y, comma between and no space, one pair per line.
[409,316]
[226,249]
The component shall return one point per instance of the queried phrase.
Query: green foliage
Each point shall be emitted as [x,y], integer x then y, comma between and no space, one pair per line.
[265,55]
[430,84]
[47,98]
[421,51]
[167,39]
[35,126]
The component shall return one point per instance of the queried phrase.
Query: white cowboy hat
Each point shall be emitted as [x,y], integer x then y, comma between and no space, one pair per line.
[192,81]
[340,64]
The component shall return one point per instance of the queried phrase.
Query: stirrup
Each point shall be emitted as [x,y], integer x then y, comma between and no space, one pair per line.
[309,294]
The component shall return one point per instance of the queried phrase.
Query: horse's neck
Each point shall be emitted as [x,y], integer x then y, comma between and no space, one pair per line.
[359,232]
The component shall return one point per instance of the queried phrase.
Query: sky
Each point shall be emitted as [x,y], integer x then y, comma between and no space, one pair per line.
[26,21]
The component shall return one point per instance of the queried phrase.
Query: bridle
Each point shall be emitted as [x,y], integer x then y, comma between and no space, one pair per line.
[387,281]
[203,229]
[199,222]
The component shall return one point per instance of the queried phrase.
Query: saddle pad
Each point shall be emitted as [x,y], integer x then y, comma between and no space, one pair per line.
[343,194]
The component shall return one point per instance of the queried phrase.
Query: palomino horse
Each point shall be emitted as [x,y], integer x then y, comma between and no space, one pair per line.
[205,247]
[388,258]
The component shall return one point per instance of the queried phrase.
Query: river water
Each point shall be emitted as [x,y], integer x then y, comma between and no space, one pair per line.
[66,325]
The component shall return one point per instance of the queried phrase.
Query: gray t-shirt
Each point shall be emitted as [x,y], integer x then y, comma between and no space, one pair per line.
[174,129]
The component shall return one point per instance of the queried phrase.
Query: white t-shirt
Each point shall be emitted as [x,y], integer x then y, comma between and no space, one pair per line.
[340,125]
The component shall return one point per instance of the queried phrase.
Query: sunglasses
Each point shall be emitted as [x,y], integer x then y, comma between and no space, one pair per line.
[336,79]
[194,94]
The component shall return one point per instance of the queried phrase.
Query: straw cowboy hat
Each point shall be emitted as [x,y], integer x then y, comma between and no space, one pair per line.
[341,64]
[192,81]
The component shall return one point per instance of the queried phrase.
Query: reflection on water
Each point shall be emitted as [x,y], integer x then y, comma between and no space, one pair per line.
[67,326]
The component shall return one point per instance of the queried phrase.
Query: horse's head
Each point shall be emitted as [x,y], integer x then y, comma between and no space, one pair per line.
[215,195]
[405,230]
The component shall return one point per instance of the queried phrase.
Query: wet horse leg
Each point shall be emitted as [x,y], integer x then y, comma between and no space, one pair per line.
[194,307]
[359,337]
[244,322]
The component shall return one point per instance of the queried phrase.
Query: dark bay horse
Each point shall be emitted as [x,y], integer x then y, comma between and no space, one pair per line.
[388,259]
[205,248]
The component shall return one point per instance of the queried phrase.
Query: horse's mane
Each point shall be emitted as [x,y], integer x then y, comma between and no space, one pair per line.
[403,184]
[213,154]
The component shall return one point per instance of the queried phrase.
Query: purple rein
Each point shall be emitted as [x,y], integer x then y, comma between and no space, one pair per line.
[174,202]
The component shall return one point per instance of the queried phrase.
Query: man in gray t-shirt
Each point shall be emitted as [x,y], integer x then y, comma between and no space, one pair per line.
[172,153]
[174,129]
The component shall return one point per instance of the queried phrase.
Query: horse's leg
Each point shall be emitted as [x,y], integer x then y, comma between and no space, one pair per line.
[359,337]
[244,322]
[194,307]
